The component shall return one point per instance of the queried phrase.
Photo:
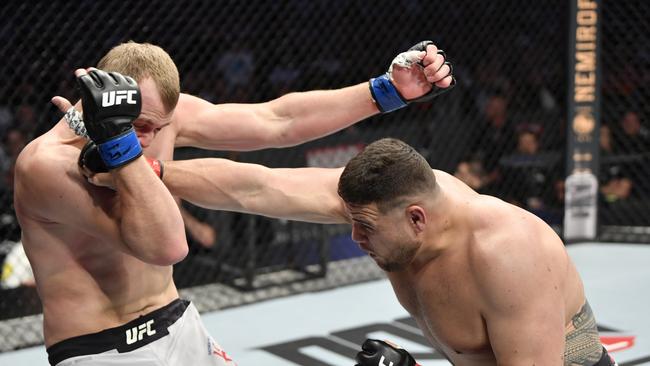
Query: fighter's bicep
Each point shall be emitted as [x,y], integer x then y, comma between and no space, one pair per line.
[522,305]
[530,333]
[96,214]
[235,127]
[303,194]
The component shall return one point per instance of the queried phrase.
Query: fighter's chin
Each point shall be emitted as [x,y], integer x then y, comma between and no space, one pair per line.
[388,266]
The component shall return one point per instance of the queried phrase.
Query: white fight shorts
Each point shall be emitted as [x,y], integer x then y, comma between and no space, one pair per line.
[171,335]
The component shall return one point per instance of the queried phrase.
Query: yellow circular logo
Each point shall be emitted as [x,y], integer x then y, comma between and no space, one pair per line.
[583,123]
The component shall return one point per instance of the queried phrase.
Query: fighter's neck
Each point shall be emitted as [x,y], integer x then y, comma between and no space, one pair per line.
[445,225]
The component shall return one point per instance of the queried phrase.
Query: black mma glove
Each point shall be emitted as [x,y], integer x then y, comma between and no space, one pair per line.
[386,95]
[111,102]
[90,159]
[380,353]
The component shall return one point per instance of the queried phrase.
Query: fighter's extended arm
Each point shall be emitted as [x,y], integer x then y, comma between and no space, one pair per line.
[418,74]
[303,194]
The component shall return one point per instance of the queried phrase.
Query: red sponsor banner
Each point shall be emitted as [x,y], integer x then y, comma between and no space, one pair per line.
[617,343]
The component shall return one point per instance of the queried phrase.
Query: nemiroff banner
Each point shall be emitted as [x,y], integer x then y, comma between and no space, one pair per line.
[580,212]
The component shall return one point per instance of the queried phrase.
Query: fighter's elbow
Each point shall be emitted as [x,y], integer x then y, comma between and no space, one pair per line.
[165,253]
[174,255]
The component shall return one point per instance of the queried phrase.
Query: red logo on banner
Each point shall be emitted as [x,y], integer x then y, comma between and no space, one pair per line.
[614,344]
[221,353]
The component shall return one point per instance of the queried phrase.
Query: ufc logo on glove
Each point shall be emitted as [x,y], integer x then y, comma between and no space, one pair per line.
[117,97]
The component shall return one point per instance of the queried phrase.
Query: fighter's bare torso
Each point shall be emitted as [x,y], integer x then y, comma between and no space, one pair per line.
[444,295]
[73,266]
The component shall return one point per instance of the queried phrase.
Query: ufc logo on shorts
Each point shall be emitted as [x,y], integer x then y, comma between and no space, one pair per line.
[381,362]
[117,97]
[137,333]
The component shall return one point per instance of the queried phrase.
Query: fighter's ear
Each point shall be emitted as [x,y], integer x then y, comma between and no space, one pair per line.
[417,217]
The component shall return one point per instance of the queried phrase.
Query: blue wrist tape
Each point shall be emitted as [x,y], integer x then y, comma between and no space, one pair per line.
[120,150]
[385,94]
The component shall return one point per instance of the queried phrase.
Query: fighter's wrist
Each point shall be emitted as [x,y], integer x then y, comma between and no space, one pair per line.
[385,94]
[120,150]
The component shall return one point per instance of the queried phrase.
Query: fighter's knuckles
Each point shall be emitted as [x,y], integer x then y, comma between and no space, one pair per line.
[433,73]
[432,49]
[444,71]
[445,82]
[440,59]
[392,91]
[429,59]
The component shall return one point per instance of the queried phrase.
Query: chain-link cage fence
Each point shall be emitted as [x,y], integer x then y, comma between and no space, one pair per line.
[501,130]
[625,132]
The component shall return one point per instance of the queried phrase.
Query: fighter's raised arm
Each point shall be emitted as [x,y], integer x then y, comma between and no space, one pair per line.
[416,75]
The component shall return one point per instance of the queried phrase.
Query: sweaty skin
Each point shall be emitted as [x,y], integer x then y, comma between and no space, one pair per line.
[489,277]
[488,281]
[100,259]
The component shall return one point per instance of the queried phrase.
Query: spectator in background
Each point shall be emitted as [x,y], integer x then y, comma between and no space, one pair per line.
[472,172]
[9,228]
[237,66]
[492,140]
[632,136]
[615,184]
[527,142]
[13,274]
[527,172]
[554,204]
[13,142]
[285,76]
[6,119]
[16,270]
[496,134]
[25,118]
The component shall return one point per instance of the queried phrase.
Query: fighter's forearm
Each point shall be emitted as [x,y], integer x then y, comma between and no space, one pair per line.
[151,224]
[304,194]
[313,114]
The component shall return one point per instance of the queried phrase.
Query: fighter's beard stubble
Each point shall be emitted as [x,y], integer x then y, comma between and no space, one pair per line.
[400,258]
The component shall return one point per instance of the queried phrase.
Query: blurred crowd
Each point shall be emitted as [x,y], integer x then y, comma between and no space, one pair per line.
[523,161]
